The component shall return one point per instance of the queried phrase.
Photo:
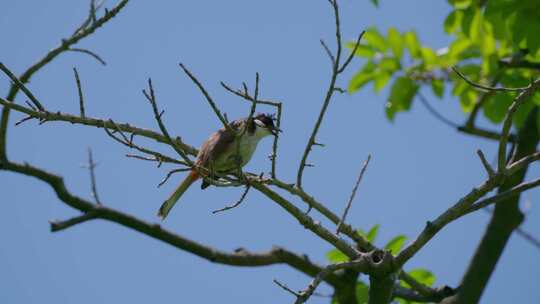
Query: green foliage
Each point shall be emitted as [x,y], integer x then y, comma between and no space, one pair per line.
[371,235]
[362,291]
[336,256]
[421,275]
[484,40]
[395,244]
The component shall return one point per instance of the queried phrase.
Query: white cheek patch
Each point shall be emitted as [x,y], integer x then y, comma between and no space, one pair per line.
[260,123]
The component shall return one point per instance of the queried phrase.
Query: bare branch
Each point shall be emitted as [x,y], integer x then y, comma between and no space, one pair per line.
[487,88]
[61,225]
[507,124]
[82,32]
[286,288]
[240,258]
[328,52]
[336,70]
[91,167]
[90,53]
[364,244]
[150,96]
[208,98]
[435,113]
[504,195]
[21,86]
[353,194]
[307,221]
[171,173]
[244,194]
[485,163]
[96,122]
[351,55]
[79,90]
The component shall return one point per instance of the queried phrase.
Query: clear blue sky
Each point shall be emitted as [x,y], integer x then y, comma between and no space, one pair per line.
[419,166]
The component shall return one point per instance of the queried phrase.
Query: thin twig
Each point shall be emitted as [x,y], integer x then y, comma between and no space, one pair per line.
[507,124]
[151,97]
[485,163]
[236,204]
[88,52]
[96,122]
[21,86]
[503,195]
[208,98]
[336,70]
[286,288]
[170,173]
[435,113]
[353,52]
[91,167]
[485,87]
[353,194]
[79,90]
[61,225]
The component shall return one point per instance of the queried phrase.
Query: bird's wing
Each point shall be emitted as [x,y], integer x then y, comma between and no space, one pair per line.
[217,144]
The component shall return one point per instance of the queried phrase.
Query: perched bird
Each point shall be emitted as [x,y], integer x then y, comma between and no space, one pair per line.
[223,152]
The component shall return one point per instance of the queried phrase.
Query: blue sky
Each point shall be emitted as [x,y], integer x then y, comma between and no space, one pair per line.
[419,166]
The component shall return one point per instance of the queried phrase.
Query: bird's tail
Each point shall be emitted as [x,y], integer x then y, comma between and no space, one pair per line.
[169,203]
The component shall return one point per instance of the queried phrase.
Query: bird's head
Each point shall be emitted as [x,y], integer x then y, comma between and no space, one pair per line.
[265,122]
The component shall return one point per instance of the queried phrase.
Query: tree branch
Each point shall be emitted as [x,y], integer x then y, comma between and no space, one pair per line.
[82,32]
[240,258]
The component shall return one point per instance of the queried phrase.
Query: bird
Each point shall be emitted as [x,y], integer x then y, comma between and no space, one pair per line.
[224,151]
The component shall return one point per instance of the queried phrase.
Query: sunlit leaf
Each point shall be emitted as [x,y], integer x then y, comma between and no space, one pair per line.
[365,51]
[401,94]
[375,39]
[437,85]
[495,107]
[422,275]
[395,244]
[453,21]
[412,43]
[380,80]
[396,42]
[460,4]
[336,256]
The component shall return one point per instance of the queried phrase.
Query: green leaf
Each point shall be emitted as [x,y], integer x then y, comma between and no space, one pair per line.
[372,233]
[522,112]
[362,50]
[460,4]
[412,44]
[362,291]
[467,100]
[375,39]
[452,21]
[380,80]
[429,56]
[495,107]
[359,80]
[389,64]
[336,256]
[437,85]
[401,94]
[375,2]
[362,77]
[395,244]
[423,276]
[396,42]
